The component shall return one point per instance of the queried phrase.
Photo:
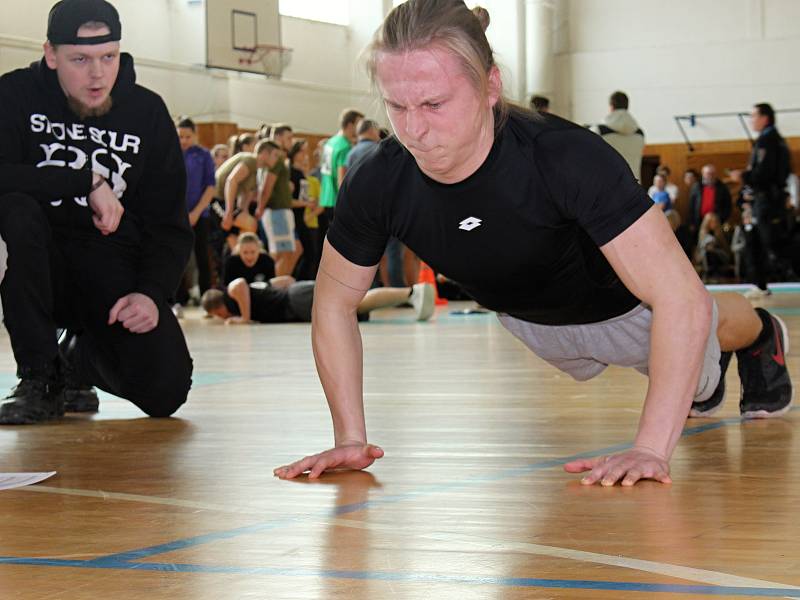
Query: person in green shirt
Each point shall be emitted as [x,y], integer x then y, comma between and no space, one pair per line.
[333,164]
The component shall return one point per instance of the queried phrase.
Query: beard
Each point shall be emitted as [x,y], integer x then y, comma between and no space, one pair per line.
[84,112]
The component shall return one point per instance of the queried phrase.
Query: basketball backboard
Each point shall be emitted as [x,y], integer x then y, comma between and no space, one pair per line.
[244,35]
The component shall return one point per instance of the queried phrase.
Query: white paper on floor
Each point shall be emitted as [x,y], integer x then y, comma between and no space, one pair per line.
[10,481]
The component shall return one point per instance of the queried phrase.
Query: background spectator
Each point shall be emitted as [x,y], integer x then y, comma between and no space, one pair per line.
[690,177]
[765,177]
[368,134]
[713,254]
[623,133]
[540,104]
[658,193]
[220,153]
[245,142]
[200,187]
[707,196]
[671,188]
[248,261]
[237,184]
[306,209]
[739,243]
[333,164]
[275,207]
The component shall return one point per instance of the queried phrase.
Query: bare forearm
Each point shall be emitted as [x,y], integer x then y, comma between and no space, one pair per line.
[240,292]
[338,353]
[231,190]
[677,348]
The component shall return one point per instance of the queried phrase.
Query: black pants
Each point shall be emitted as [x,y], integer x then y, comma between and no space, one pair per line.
[72,279]
[760,243]
[306,268]
[201,247]
[325,220]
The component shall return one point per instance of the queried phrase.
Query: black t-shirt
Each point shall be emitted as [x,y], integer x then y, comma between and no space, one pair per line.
[263,270]
[521,235]
[296,176]
[267,305]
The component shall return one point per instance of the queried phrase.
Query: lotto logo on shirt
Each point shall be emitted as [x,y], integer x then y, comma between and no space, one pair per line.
[90,144]
[470,223]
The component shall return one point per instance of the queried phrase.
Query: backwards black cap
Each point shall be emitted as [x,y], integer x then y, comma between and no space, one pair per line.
[67,16]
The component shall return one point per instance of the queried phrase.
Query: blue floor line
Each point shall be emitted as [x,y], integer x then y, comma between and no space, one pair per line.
[141,553]
[124,560]
[411,577]
[151,551]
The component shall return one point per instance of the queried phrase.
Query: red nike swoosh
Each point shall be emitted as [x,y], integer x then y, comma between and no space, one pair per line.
[778,356]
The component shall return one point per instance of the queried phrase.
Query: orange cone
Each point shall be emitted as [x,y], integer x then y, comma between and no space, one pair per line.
[426,275]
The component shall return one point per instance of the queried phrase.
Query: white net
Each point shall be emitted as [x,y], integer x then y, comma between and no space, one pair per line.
[272,59]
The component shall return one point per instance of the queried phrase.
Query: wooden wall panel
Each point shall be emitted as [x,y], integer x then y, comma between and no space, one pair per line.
[213,133]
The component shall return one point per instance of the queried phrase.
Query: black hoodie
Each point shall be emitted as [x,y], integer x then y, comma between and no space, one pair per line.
[47,152]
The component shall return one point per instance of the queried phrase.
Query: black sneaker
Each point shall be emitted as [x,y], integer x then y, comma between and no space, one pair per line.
[766,386]
[80,399]
[708,408]
[76,396]
[32,401]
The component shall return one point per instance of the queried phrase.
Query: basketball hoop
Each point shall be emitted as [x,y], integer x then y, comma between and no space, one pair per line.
[273,59]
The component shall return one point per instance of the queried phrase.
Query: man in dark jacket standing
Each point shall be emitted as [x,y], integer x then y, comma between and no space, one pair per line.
[92,210]
[765,176]
[709,195]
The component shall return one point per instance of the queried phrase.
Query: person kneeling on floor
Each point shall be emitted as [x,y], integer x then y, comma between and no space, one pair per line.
[92,209]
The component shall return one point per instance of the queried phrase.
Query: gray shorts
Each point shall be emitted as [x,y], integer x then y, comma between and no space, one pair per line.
[584,351]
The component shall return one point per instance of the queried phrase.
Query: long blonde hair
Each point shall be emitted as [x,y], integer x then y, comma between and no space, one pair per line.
[707,228]
[708,232]
[447,24]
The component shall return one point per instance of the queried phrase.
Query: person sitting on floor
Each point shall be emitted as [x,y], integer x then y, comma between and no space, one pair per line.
[248,261]
[713,254]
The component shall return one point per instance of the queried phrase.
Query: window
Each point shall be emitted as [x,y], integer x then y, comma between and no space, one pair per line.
[328,11]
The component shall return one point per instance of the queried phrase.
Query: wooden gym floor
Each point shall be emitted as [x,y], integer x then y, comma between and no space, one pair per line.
[470,501]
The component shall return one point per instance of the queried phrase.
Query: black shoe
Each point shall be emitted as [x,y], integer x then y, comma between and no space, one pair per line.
[80,399]
[708,408]
[76,396]
[766,386]
[33,400]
